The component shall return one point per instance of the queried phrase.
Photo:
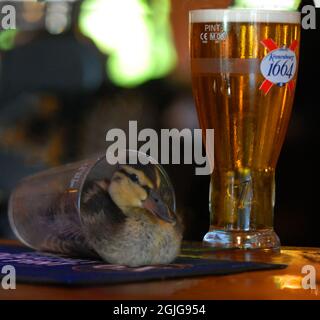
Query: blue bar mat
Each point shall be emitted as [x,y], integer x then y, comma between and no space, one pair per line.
[43,268]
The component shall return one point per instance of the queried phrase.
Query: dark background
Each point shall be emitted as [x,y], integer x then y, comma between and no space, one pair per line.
[57,103]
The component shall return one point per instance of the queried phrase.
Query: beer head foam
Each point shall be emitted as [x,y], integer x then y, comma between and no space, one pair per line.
[244,15]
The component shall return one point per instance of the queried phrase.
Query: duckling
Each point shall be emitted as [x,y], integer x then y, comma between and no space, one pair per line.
[127,221]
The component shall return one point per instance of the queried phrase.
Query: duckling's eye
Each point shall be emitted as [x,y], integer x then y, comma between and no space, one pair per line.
[134,178]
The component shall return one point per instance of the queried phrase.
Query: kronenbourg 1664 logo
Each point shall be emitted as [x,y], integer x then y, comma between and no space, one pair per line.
[278,66]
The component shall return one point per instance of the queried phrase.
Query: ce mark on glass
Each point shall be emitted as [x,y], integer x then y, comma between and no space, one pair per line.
[204,37]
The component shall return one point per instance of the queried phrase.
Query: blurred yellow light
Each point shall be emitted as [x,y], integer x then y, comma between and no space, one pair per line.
[288,282]
[32,11]
[123,30]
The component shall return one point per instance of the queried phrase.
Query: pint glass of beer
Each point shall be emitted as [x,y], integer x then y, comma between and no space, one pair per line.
[244,67]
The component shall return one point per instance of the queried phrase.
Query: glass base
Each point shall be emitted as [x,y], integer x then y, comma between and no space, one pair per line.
[257,239]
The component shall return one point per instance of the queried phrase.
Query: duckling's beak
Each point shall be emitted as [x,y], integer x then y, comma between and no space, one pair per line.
[156,206]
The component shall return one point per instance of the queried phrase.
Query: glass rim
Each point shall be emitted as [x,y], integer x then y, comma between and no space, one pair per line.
[244,15]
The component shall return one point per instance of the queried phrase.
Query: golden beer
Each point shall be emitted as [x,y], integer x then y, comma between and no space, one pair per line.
[244,69]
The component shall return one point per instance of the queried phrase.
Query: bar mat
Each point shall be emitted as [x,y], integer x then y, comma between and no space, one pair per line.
[42,268]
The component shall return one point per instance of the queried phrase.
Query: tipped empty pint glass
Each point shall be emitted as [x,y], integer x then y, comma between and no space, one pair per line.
[46,210]
[244,68]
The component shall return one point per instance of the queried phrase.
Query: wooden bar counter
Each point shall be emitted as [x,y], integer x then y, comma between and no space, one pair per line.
[274,284]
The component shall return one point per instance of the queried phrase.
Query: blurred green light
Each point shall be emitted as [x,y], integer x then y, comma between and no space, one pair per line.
[135,35]
[268,4]
[7,38]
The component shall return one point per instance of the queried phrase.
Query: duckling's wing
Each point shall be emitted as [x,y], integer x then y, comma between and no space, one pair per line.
[64,233]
